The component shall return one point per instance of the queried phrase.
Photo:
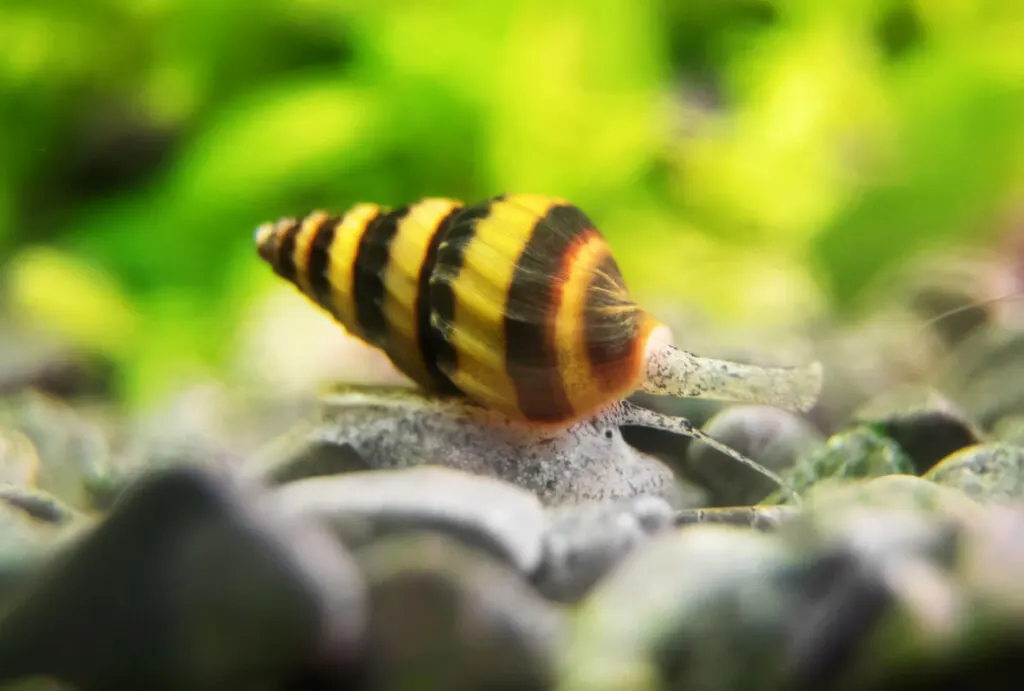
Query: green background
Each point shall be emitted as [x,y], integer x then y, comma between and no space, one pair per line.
[763,161]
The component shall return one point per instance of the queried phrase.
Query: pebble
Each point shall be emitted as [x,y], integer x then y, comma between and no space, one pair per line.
[33,525]
[1010,430]
[68,447]
[582,543]
[984,374]
[660,619]
[926,424]
[988,473]
[185,586]
[855,453]
[444,615]
[488,514]
[774,438]
[19,460]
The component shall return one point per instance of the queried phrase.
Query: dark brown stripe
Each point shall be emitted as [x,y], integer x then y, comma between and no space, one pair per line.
[318,265]
[610,331]
[267,249]
[430,339]
[450,256]
[531,306]
[285,266]
[368,274]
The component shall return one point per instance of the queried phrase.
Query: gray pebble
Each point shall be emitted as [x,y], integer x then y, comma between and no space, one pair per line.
[19,460]
[713,606]
[33,525]
[584,542]
[927,425]
[831,501]
[988,473]
[186,586]
[487,513]
[984,374]
[1010,430]
[692,608]
[774,438]
[68,447]
[446,616]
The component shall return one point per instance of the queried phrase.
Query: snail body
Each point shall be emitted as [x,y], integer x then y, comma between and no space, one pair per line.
[515,302]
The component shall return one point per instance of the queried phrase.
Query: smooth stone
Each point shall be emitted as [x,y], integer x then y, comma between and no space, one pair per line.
[832,500]
[498,517]
[879,585]
[398,427]
[19,460]
[666,617]
[927,425]
[988,473]
[772,437]
[984,373]
[109,479]
[952,582]
[584,542]
[68,447]
[33,524]
[855,453]
[1010,430]
[797,607]
[447,616]
[297,455]
[185,585]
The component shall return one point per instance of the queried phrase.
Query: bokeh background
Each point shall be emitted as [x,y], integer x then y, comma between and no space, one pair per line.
[757,166]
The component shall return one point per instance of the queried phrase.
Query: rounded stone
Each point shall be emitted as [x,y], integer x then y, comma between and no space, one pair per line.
[584,542]
[489,514]
[927,425]
[772,437]
[988,473]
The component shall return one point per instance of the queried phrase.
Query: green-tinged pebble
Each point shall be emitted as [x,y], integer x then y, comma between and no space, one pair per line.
[856,453]
[988,473]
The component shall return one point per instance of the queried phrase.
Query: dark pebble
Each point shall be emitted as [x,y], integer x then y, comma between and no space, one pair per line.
[447,616]
[186,586]
[772,437]
[926,424]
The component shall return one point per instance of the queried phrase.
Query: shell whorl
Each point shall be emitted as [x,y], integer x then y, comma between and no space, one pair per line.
[515,302]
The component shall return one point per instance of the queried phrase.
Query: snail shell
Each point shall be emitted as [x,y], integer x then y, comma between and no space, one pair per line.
[516,302]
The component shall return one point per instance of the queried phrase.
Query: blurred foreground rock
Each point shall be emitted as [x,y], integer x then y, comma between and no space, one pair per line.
[197,579]
[346,557]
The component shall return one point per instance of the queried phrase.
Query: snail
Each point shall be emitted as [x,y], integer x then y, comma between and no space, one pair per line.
[515,303]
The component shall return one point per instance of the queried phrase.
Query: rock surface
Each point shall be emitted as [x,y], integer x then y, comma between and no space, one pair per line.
[776,438]
[327,569]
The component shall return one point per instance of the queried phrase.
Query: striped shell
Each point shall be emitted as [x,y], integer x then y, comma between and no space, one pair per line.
[515,302]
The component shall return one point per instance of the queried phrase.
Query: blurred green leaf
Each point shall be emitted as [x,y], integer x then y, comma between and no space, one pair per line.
[960,138]
[63,294]
[727,148]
